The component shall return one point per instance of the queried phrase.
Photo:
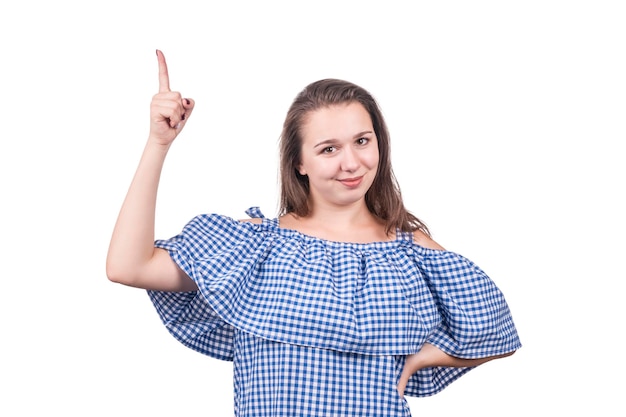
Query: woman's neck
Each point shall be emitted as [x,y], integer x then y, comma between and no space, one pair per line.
[349,224]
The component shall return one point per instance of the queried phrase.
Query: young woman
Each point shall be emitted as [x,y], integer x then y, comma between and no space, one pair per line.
[342,304]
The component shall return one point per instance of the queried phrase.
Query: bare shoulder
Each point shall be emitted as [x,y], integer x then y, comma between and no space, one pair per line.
[425,241]
[256,220]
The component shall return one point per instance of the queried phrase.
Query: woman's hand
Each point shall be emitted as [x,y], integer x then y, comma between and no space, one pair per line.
[412,364]
[168,111]
[430,356]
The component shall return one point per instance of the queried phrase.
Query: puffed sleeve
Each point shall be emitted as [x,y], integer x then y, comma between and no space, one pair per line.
[476,321]
[207,240]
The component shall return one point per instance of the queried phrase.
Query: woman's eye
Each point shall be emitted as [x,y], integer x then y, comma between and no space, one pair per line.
[329,149]
[362,141]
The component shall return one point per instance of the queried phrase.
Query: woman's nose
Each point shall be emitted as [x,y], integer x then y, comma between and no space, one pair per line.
[349,160]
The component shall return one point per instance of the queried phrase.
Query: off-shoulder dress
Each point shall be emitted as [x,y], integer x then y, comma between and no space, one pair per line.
[321,328]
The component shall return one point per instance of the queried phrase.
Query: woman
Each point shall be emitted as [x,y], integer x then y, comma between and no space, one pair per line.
[341,305]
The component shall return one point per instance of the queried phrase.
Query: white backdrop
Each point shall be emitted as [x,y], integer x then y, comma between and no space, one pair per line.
[507,123]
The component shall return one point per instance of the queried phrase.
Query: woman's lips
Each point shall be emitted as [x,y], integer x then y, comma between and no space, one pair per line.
[352,182]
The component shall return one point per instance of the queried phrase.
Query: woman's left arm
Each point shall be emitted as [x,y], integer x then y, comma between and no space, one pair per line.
[431,356]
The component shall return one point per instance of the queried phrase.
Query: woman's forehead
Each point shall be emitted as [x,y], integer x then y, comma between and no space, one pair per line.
[336,121]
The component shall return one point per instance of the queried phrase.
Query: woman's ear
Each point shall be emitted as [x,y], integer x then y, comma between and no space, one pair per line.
[301,170]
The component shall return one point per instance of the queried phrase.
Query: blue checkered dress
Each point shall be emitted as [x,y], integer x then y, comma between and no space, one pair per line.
[321,328]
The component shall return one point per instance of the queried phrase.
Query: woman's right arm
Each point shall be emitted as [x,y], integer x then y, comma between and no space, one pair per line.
[132,258]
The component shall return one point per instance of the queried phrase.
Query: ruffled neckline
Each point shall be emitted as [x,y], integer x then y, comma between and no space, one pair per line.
[272,225]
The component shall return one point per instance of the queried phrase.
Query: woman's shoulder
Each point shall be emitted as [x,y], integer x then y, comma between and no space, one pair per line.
[422,239]
[208,227]
[222,220]
[254,220]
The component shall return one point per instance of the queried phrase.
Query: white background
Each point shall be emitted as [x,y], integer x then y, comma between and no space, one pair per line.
[507,122]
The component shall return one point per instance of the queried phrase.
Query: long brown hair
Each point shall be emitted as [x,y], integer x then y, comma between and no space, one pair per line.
[383,199]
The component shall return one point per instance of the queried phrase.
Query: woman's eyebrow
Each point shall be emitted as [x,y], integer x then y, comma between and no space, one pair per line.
[333,141]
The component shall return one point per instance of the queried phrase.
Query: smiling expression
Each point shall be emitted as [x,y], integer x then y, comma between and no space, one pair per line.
[339,154]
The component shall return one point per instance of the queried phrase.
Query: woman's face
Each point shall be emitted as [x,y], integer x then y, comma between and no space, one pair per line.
[339,154]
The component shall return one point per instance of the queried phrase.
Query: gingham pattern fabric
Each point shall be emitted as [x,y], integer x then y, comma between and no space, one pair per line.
[321,328]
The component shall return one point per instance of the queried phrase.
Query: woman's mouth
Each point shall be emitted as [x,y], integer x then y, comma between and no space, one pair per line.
[352,182]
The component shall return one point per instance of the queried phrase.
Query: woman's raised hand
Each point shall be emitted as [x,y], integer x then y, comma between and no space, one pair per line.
[169,111]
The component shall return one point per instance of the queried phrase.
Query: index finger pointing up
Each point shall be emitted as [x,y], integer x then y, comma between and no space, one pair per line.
[164,78]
